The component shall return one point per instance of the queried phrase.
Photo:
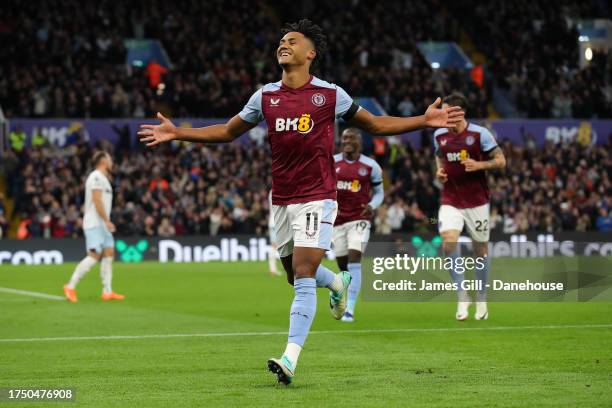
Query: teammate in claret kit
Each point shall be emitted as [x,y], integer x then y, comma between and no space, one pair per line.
[464,152]
[360,192]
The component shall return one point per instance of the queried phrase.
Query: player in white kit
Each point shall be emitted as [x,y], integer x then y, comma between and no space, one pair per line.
[98,229]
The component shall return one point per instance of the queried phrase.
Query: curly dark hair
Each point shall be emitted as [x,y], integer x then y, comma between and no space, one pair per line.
[311,31]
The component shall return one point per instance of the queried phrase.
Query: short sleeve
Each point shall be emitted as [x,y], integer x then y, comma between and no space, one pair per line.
[487,141]
[435,142]
[343,102]
[376,175]
[252,110]
[95,182]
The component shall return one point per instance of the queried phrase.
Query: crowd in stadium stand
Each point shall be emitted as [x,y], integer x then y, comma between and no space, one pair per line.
[533,52]
[185,190]
[4,224]
[67,58]
[549,189]
[191,189]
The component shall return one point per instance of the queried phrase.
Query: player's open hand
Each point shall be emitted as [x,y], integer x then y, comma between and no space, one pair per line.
[471,165]
[443,117]
[110,226]
[367,211]
[441,175]
[155,134]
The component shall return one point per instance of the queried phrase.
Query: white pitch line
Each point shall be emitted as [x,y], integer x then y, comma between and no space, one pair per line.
[14,300]
[32,294]
[363,331]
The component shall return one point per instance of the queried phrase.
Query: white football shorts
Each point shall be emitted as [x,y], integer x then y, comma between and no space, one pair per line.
[476,220]
[351,235]
[307,225]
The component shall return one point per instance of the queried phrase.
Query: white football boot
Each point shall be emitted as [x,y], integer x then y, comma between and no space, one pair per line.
[482,312]
[463,306]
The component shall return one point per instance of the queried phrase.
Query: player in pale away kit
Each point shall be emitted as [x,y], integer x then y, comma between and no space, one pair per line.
[360,192]
[464,152]
[98,229]
[300,111]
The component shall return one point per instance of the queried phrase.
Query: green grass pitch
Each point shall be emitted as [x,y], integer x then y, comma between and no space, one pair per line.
[395,354]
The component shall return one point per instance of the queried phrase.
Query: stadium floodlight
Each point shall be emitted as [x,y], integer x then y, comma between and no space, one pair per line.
[583,38]
[435,65]
[588,54]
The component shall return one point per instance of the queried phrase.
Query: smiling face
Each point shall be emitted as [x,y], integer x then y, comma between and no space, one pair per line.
[295,49]
[351,142]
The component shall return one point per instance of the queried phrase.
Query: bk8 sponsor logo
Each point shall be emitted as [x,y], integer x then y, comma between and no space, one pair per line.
[457,156]
[353,186]
[304,124]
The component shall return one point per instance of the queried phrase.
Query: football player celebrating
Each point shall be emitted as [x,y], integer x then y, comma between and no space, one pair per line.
[300,111]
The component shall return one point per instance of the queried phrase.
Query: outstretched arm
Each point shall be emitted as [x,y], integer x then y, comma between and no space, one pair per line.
[166,131]
[391,125]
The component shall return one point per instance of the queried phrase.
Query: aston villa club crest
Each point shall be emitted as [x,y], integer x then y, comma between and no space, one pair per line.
[362,171]
[318,99]
[469,140]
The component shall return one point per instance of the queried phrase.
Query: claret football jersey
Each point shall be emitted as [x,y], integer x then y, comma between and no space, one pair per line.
[464,189]
[301,136]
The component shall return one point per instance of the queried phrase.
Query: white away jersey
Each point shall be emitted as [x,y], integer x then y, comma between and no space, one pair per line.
[96,181]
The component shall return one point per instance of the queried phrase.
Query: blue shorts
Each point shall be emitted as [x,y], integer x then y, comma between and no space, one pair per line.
[98,238]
